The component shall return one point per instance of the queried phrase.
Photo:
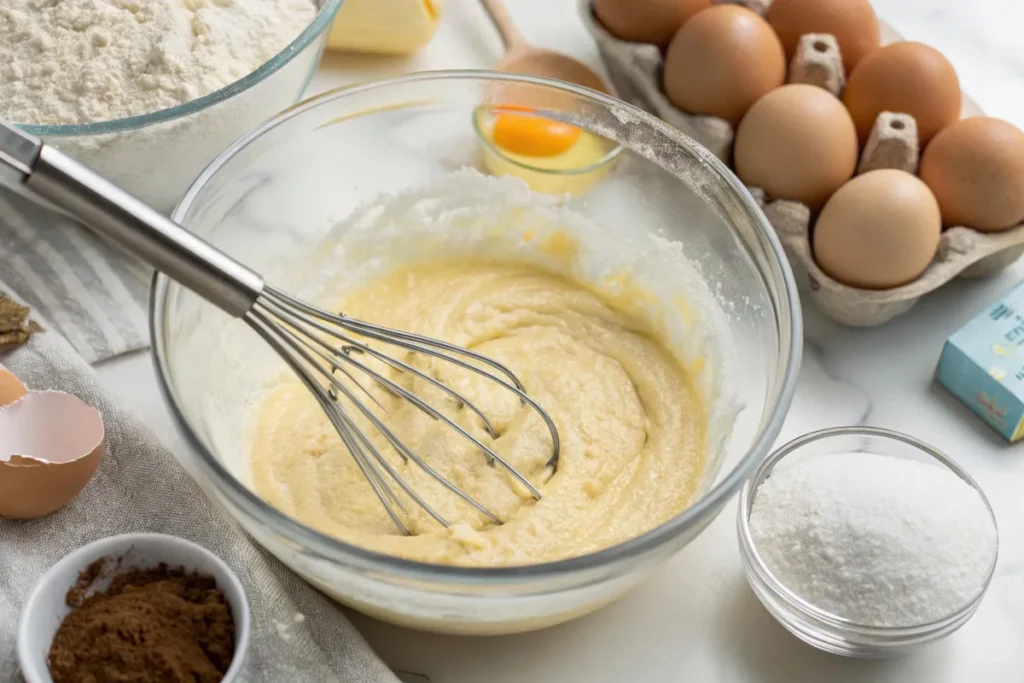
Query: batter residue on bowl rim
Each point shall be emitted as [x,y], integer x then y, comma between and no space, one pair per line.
[631,421]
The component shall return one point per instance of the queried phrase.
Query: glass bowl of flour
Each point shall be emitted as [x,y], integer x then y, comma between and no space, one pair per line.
[866,542]
[149,93]
[357,182]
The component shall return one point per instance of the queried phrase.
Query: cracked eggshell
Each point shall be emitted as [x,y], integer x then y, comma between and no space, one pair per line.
[51,444]
[11,388]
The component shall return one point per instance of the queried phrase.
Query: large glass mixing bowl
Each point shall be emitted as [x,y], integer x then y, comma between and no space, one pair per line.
[284,187]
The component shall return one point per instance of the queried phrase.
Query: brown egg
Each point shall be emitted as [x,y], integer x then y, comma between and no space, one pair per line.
[976,170]
[907,78]
[722,61]
[50,446]
[797,142]
[646,21]
[878,231]
[851,22]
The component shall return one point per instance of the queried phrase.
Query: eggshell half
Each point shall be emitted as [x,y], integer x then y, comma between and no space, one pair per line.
[11,388]
[51,444]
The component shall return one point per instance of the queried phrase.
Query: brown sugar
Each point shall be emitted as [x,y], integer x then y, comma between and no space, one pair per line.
[160,625]
[15,326]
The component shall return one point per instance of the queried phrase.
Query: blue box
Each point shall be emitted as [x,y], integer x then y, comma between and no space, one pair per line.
[982,363]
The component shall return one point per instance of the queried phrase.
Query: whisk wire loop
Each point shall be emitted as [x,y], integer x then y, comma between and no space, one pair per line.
[354,344]
[302,334]
[272,334]
[419,344]
[402,392]
[333,409]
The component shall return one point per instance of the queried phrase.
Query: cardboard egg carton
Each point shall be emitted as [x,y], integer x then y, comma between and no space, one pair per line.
[635,70]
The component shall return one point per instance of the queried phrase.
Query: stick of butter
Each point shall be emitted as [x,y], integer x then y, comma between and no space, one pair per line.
[385,26]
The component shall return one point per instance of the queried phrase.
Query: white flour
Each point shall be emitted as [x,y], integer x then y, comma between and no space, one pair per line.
[54,68]
[81,61]
[878,540]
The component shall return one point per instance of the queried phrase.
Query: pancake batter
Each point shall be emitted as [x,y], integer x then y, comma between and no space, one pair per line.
[630,421]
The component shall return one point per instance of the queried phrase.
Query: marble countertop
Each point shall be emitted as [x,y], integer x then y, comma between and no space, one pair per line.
[696,620]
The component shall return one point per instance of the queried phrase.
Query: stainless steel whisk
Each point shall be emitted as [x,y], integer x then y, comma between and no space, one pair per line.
[316,344]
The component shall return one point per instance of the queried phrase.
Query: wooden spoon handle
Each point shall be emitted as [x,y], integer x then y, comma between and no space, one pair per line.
[502,20]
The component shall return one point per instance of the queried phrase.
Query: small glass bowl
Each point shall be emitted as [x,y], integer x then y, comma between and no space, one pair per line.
[810,624]
[576,180]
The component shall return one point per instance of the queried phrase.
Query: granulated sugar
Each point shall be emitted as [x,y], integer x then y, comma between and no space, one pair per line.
[878,540]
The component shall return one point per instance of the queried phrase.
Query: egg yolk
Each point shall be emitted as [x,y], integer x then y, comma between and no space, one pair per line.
[533,135]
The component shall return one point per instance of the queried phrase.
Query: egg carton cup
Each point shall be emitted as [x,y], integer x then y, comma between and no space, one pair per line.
[635,70]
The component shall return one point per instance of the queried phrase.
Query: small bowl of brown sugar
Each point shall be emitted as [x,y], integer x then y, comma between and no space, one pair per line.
[139,607]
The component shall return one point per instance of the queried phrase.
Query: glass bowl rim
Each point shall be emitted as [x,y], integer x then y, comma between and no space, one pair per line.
[609,157]
[804,609]
[356,557]
[325,16]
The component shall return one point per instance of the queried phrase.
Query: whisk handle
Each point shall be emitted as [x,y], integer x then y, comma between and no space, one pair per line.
[132,224]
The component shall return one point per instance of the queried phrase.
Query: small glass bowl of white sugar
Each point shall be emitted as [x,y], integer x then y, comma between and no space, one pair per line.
[866,542]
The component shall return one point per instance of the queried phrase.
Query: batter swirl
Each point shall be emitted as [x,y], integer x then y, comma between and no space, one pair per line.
[629,417]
